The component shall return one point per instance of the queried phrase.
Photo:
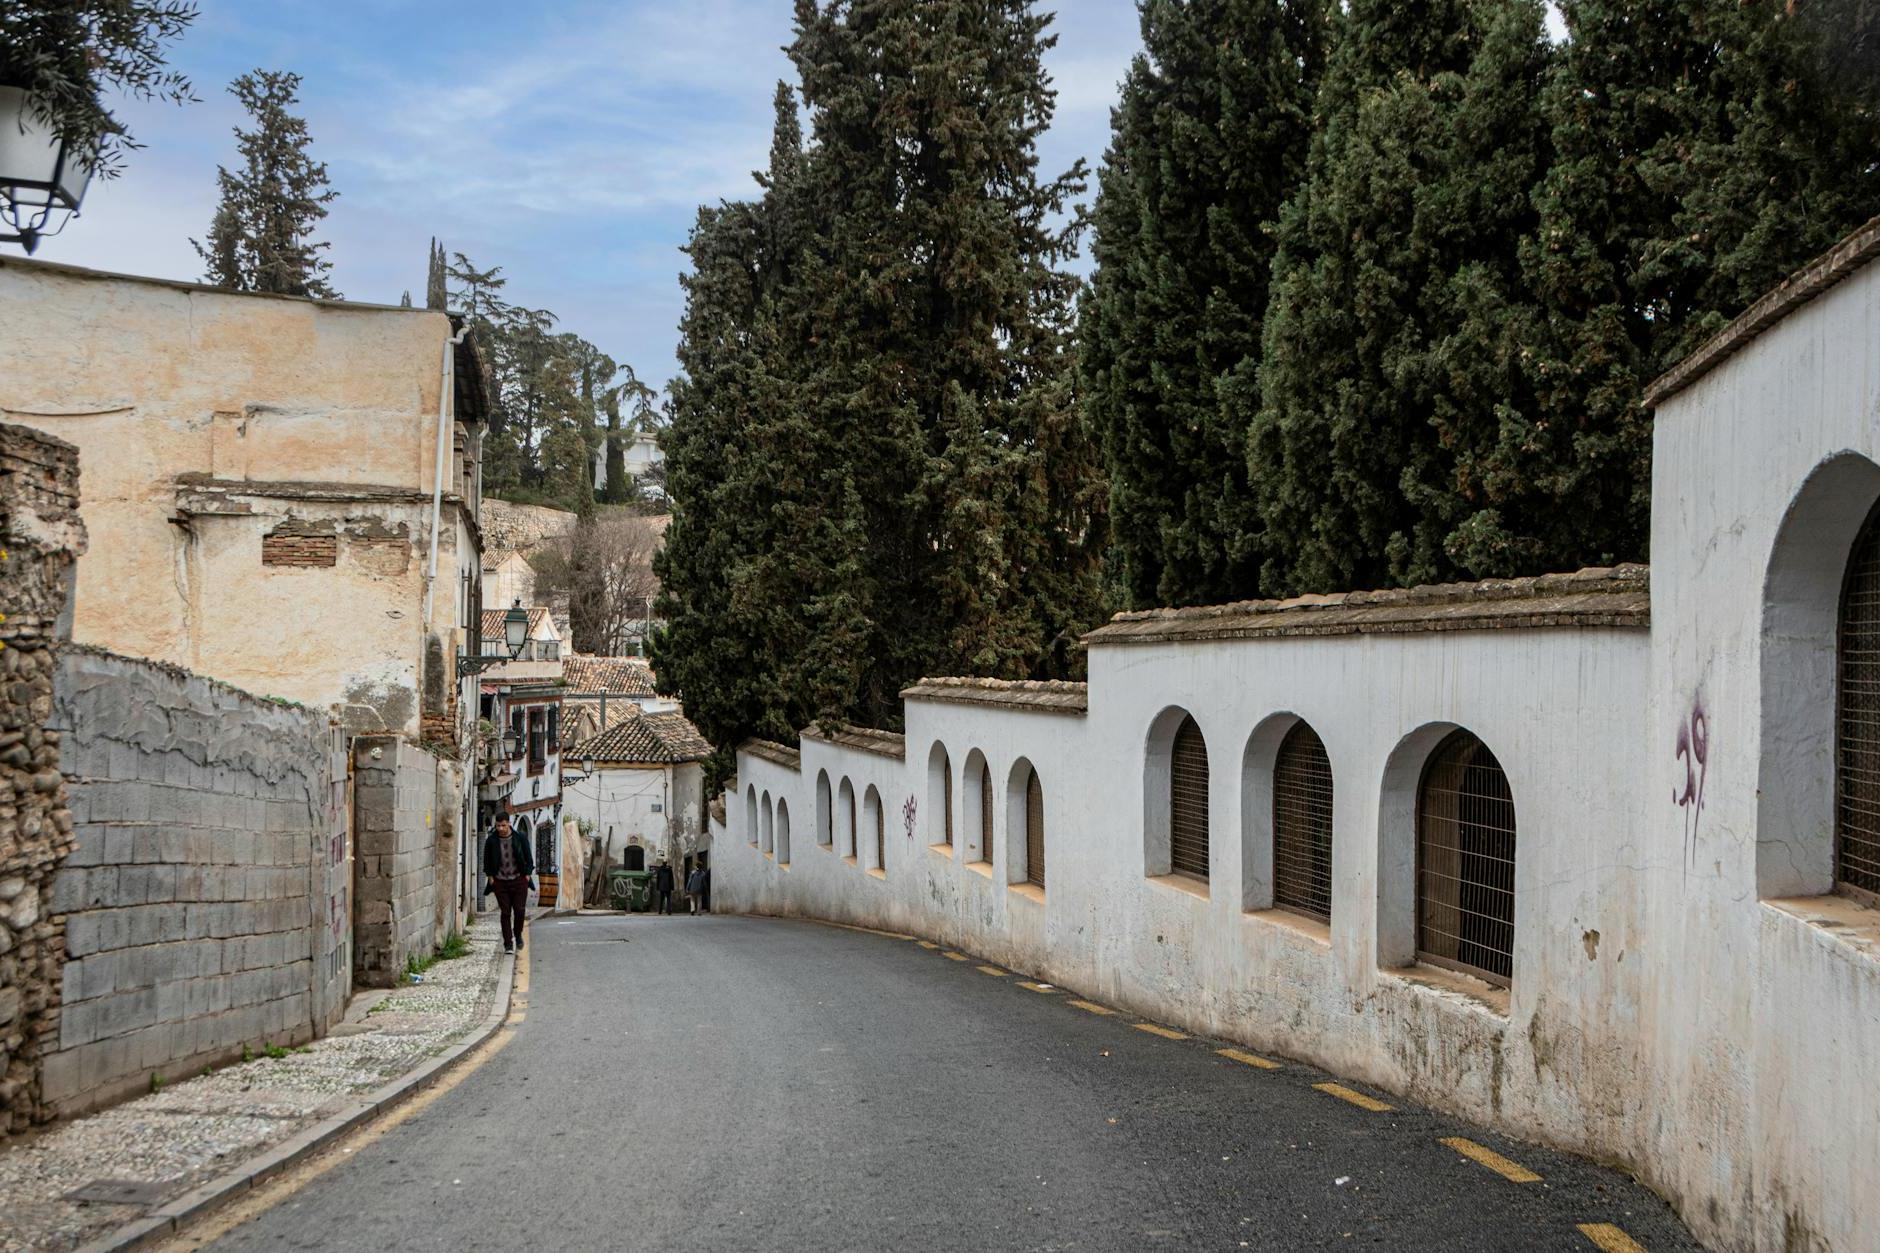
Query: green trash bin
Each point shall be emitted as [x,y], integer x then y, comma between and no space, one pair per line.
[630,889]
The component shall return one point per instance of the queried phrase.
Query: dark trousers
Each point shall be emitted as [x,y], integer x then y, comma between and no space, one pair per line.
[665,901]
[512,901]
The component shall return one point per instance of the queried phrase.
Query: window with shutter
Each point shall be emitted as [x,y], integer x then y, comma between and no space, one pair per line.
[985,813]
[1188,801]
[1465,861]
[1857,721]
[946,792]
[1302,825]
[1034,830]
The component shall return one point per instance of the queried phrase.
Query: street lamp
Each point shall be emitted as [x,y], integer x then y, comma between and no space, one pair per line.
[515,635]
[587,771]
[42,175]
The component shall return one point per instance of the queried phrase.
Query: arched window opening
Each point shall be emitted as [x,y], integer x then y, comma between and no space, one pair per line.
[1034,829]
[825,811]
[1465,861]
[985,812]
[881,838]
[1857,721]
[845,805]
[1188,801]
[634,858]
[1302,825]
[750,814]
[768,819]
[939,824]
[783,833]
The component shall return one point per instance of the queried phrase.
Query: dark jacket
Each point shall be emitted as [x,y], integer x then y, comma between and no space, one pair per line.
[662,879]
[493,857]
[695,883]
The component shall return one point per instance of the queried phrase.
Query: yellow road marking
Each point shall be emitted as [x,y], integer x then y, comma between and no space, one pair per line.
[1250,1059]
[1029,986]
[1513,1172]
[926,944]
[519,990]
[1610,1238]
[992,970]
[1092,1006]
[1359,1099]
[956,957]
[268,1193]
[1156,1029]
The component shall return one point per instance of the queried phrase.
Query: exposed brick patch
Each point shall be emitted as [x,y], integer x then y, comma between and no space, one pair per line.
[299,550]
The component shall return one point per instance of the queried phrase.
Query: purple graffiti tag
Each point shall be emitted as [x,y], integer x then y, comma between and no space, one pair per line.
[907,816]
[1694,751]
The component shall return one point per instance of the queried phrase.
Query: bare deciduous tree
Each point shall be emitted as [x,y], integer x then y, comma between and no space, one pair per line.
[605,570]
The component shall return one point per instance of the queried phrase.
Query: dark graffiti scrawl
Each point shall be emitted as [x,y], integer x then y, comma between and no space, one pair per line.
[1694,751]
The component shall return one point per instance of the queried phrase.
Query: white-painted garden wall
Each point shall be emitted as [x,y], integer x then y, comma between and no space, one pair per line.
[1685,998]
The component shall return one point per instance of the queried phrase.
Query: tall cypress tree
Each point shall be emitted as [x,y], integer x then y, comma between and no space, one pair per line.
[261,237]
[1411,213]
[1705,148]
[727,647]
[941,355]
[1207,142]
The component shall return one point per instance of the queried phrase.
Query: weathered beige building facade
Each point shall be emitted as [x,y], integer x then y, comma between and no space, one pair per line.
[261,479]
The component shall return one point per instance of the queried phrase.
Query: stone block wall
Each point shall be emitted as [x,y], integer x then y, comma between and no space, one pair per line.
[403,798]
[198,908]
[40,537]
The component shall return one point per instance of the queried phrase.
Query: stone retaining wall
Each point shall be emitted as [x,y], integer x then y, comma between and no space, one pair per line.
[204,907]
[40,538]
[404,805]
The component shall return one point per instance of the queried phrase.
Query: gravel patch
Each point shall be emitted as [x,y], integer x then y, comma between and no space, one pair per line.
[193,1130]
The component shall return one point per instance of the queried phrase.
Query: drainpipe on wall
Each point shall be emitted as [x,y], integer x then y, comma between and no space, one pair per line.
[444,398]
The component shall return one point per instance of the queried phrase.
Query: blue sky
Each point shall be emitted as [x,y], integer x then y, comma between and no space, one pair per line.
[568,141]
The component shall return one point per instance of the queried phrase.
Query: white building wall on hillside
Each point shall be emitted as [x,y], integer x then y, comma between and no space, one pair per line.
[1763,996]
[1686,997]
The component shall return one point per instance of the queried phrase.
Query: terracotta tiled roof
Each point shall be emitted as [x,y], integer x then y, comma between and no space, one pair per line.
[1615,597]
[616,676]
[1050,696]
[867,739]
[493,622]
[770,750]
[643,737]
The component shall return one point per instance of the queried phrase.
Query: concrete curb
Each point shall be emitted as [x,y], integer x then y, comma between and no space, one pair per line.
[173,1217]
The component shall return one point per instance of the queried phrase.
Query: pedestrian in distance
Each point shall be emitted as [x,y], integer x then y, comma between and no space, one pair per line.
[695,887]
[662,884]
[509,865]
[705,889]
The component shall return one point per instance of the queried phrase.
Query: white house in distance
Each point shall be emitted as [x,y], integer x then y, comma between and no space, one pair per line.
[646,797]
[508,579]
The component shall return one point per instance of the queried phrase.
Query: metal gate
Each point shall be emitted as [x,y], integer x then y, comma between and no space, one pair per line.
[1857,721]
[1302,825]
[1188,801]
[985,813]
[1034,829]
[1465,861]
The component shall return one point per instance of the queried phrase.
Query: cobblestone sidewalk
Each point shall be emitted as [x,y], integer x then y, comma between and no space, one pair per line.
[192,1131]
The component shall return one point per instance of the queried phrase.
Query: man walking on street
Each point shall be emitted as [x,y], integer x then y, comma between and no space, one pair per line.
[662,884]
[509,864]
[695,887]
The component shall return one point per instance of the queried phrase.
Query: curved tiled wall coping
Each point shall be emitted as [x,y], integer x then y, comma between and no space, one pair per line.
[1618,596]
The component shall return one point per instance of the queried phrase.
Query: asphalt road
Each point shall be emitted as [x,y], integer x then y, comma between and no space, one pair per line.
[734,1083]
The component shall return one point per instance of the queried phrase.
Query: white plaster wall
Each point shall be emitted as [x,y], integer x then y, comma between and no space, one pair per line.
[1762,1028]
[1559,708]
